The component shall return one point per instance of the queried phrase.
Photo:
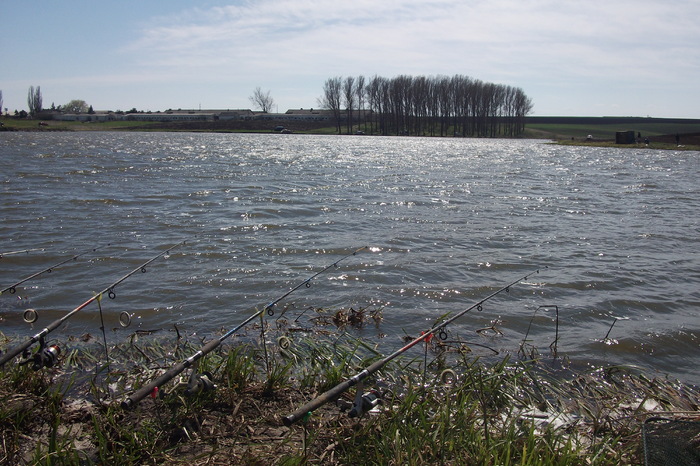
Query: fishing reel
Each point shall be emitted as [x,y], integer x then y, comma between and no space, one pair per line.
[364,402]
[46,356]
[199,383]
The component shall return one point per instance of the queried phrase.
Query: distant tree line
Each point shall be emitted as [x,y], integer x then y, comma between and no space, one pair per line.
[426,105]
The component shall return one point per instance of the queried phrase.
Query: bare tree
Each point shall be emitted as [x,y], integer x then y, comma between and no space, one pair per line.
[262,100]
[331,98]
[360,92]
[457,105]
[349,95]
[374,100]
[1,102]
[34,100]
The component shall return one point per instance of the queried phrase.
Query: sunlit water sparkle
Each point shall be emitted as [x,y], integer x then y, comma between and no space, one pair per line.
[448,222]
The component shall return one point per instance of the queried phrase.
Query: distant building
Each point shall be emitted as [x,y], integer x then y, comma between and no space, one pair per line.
[86,117]
[310,114]
[205,115]
[244,114]
[171,115]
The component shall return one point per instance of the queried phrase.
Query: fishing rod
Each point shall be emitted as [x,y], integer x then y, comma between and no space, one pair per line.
[46,356]
[198,382]
[13,288]
[23,251]
[363,401]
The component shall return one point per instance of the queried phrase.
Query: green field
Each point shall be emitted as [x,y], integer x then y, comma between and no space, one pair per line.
[606,127]
[25,125]
[661,131]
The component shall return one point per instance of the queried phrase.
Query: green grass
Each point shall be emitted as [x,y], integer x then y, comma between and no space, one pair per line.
[506,411]
[33,125]
[605,128]
[652,145]
[24,125]
[561,128]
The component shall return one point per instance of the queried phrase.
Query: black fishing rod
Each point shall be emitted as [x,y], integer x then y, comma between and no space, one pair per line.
[197,381]
[13,288]
[361,401]
[45,356]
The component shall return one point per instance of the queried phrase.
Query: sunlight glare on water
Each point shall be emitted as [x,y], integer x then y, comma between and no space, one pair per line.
[448,221]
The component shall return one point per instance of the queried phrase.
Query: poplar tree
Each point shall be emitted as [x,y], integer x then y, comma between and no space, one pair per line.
[349,96]
[34,100]
[453,106]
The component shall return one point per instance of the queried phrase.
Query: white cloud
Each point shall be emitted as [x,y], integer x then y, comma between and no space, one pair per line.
[437,36]
[554,50]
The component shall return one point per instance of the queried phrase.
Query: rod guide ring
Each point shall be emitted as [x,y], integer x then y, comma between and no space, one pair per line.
[30,316]
[124,319]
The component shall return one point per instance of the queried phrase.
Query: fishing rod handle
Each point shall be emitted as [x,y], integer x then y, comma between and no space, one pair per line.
[17,350]
[168,375]
[12,353]
[146,390]
[332,394]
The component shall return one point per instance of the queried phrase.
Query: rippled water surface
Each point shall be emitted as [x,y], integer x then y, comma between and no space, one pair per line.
[614,233]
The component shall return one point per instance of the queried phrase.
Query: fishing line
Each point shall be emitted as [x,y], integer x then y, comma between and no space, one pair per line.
[264,342]
[553,345]
[12,288]
[425,367]
[358,378]
[178,368]
[102,327]
[40,337]
[610,329]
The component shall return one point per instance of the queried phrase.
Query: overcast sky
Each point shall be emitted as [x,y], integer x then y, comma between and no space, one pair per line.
[593,58]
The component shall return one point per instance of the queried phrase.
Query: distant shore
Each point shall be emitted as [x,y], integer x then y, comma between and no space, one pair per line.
[586,131]
[658,144]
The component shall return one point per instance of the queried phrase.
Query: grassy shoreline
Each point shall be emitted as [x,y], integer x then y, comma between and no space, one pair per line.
[657,145]
[440,404]
[564,130]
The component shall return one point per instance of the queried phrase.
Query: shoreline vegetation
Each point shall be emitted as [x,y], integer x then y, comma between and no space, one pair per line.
[661,132]
[440,404]
[446,402]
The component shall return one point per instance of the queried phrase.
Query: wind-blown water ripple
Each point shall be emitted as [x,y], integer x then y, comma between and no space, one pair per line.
[448,221]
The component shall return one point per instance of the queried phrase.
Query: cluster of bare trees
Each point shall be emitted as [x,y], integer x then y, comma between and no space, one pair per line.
[426,105]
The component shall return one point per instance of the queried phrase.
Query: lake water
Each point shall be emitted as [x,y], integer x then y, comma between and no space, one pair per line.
[615,235]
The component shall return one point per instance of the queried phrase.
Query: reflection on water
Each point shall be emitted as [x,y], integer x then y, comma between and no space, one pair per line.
[448,221]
